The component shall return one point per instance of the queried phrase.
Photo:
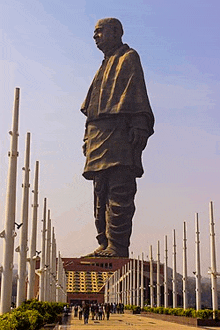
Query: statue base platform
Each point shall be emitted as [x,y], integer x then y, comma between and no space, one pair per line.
[86,277]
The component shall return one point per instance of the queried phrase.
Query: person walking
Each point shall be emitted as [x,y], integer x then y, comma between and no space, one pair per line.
[86,313]
[93,307]
[75,311]
[97,311]
[100,312]
[80,310]
[107,311]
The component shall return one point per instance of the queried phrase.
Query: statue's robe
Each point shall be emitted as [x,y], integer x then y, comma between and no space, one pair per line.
[116,102]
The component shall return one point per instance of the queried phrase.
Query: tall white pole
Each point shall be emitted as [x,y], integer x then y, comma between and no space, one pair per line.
[185,280]
[32,264]
[105,294]
[126,284]
[8,234]
[134,282]
[174,271]
[112,288]
[142,280]
[151,277]
[119,288]
[122,286]
[198,270]
[138,281]
[65,282]
[116,283]
[48,261]
[42,260]
[165,273]
[53,267]
[116,286]
[23,248]
[59,278]
[158,274]
[213,260]
[63,286]
[108,290]
[130,281]
[62,278]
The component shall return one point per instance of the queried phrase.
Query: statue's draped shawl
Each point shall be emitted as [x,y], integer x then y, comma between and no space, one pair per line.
[117,100]
[121,88]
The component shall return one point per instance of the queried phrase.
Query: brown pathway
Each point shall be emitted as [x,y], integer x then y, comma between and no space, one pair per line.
[128,322]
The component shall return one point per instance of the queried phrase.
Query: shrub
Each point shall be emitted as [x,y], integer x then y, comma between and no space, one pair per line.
[175,311]
[128,307]
[148,309]
[156,310]
[8,322]
[204,314]
[189,312]
[48,310]
[35,319]
[31,315]
[161,310]
[166,311]
[18,320]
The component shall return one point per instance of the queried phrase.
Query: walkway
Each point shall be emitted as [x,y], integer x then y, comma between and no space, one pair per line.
[128,322]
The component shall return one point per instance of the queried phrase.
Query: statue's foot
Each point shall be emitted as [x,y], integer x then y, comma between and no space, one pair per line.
[110,253]
[96,252]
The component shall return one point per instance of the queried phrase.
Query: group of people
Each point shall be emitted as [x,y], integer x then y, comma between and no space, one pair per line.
[97,311]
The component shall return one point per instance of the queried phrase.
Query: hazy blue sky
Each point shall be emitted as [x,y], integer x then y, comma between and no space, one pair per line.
[48,51]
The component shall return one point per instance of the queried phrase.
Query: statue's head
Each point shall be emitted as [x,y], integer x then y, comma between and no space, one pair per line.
[108,33]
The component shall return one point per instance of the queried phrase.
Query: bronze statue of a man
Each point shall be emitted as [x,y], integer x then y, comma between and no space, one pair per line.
[119,123]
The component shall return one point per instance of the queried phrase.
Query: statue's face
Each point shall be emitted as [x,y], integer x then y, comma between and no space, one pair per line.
[104,36]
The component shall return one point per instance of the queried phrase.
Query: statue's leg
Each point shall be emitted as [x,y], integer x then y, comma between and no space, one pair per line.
[100,209]
[120,211]
[100,194]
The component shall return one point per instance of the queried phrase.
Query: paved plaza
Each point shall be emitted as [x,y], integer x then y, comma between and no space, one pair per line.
[127,321]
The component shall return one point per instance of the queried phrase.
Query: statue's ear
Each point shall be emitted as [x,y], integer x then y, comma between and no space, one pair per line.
[115,31]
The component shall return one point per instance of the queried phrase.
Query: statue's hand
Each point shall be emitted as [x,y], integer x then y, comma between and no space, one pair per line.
[84,147]
[138,137]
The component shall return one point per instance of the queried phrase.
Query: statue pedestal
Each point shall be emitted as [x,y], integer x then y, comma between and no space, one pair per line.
[86,277]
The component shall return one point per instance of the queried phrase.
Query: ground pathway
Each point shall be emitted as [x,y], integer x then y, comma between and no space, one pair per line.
[126,321]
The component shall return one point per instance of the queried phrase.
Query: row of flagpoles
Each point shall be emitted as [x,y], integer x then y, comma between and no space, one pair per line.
[126,285]
[52,279]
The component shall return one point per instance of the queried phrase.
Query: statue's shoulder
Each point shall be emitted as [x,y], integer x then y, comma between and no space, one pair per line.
[129,52]
[130,55]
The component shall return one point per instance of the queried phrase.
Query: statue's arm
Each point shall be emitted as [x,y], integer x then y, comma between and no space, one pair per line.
[138,132]
[142,120]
